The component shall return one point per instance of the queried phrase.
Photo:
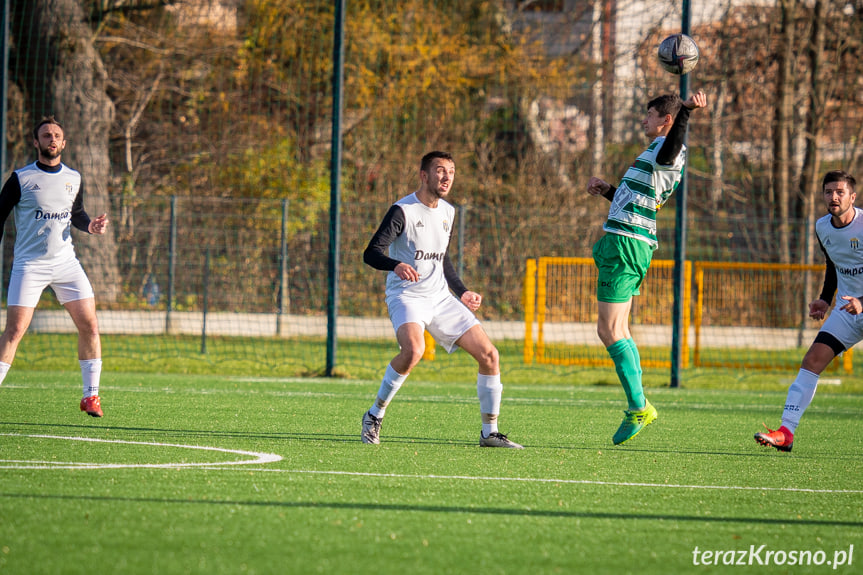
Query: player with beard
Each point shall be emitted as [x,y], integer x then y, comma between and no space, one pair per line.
[839,233]
[47,197]
[420,286]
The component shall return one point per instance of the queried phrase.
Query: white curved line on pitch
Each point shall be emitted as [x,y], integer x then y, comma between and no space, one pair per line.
[546,480]
[259,458]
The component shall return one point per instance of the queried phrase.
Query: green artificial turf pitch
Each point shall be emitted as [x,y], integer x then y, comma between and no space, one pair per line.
[225,474]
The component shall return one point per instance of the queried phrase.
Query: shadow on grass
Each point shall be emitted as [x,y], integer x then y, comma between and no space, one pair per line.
[554,514]
[408,440]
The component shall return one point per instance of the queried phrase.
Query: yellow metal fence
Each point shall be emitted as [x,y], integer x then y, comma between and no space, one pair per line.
[737,315]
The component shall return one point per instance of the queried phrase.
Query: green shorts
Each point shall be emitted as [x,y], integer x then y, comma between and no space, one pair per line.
[622,262]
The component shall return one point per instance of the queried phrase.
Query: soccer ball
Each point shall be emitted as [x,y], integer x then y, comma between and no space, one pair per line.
[678,54]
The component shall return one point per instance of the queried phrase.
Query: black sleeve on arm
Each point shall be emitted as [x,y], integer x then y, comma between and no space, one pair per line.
[80,219]
[829,288]
[9,196]
[609,195]
[452,280]
[390,228]
[674,139]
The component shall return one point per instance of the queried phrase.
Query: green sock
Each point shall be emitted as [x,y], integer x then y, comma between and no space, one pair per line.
[638,396]
[627,364]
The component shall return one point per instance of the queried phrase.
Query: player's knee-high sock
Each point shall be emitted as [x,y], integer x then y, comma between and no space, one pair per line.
[627,364]
[390,385]
[91,370]
[799,397]
[4,369]
[489,389]
[637,358]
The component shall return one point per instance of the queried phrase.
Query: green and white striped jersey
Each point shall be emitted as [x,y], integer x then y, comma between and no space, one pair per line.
[645,188]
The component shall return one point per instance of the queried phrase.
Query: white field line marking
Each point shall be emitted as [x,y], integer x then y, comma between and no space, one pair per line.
[271,458]
[259,458]
[546,480]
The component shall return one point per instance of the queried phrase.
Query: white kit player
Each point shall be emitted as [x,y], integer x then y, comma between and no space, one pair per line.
[840,234]
[420,286]
[46,198]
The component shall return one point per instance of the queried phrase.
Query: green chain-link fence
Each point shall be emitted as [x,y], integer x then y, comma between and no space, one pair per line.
[203,129]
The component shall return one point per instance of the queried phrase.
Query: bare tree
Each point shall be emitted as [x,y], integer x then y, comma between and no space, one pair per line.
[782,120]
[818,83]
[814,129]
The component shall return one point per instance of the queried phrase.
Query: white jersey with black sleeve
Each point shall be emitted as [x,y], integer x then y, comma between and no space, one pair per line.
[424,242]
[844,248]
[419,235]
[45,201]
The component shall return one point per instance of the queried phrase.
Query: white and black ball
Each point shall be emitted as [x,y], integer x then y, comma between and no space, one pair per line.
[678,54]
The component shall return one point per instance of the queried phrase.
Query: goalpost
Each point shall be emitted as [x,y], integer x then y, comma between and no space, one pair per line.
[560,313]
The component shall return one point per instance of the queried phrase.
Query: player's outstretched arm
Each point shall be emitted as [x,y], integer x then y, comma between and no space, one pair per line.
[673,143]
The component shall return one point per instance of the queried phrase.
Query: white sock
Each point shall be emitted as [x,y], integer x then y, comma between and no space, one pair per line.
[91,369]
[390,385]
[800,395]
[489,389]
[4,369]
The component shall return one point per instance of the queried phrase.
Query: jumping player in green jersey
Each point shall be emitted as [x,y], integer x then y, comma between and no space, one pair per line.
[624,252]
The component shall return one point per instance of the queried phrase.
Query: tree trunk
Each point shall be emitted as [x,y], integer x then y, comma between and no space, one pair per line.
[718,149]
[69,81]
[597,140]
[809,182]
[609,55]
[783,117]
[809,185]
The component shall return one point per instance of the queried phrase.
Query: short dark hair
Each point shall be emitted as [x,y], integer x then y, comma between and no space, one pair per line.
[426,162]
[666,104]
[838,176]
[46,120]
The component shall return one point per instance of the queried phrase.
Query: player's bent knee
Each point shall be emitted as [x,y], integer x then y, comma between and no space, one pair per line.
[489,358]
[605,336]
[90,330]
[822,351]
[412,355]
[13,333]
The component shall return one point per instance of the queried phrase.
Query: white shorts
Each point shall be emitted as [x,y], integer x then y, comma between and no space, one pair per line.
[845,327]
[446,321]
[68,280]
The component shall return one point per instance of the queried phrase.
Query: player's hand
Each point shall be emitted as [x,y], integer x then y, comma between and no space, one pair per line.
[818,309]
[696,100]
[407,272]
[597,186]
[98,225]
[472,300]
[854,306]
